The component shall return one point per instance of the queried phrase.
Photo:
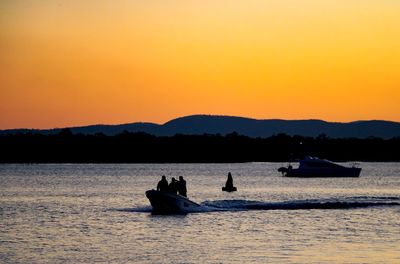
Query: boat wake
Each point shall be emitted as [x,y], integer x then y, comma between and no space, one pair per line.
[343,203]
[247,205]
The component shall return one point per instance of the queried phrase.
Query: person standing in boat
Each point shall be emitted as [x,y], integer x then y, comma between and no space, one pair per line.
[162,184]
[173,186]
[182,186]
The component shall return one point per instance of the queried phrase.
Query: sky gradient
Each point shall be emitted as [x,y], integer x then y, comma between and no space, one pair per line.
[71,63]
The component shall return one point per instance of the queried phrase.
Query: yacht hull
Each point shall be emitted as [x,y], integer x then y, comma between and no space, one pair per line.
[322,172]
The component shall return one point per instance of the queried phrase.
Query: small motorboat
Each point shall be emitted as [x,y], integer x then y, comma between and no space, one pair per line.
[170,203]
[315,167]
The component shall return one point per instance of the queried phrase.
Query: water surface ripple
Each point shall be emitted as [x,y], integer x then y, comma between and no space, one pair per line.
[85,213]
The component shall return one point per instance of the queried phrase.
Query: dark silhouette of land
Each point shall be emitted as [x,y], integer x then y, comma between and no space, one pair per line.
[204,124]
[66,147]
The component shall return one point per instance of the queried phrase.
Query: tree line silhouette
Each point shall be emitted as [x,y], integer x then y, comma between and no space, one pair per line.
[126,147]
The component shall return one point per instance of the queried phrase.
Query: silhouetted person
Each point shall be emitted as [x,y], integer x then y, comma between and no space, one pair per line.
[182,186]
[229,184]
[162,184]
[173,186]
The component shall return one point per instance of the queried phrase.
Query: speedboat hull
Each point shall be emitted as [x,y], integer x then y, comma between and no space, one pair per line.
[170,203]
[322,172]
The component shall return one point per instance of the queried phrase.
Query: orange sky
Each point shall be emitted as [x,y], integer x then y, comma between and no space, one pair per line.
[69,63]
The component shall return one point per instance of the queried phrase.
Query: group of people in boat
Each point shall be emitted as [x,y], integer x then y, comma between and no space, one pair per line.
[176,187]
[179,187]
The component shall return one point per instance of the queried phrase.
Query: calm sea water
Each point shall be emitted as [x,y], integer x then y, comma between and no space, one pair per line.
[75,213]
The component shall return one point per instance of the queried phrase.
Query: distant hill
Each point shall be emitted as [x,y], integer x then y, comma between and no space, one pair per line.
[208,124]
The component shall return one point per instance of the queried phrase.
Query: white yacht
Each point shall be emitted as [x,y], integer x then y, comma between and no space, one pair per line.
[315,167]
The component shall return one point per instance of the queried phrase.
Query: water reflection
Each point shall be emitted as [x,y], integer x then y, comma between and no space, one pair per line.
[98,213]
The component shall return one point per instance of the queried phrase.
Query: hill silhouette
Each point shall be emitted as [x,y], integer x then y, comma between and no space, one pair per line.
[223,125]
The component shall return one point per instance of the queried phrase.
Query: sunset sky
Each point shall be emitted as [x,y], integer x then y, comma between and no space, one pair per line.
[71,63]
